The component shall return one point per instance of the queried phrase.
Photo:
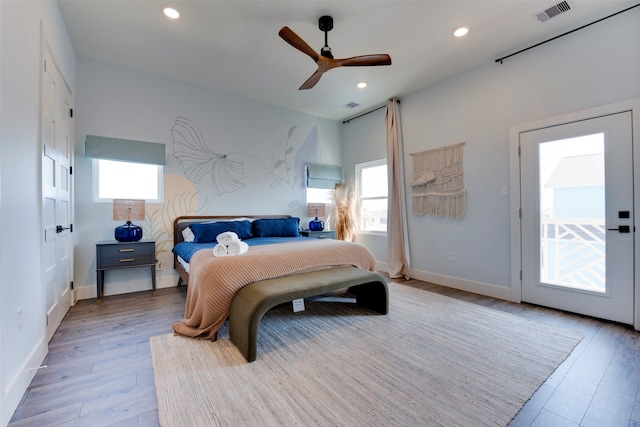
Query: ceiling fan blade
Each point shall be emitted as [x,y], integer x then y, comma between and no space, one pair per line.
[365,60]
[311,81]
[296,41]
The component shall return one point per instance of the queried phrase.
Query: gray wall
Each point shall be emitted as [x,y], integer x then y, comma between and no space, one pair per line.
[594,66]
[271,143]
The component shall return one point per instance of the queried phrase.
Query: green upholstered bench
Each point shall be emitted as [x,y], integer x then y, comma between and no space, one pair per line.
[253,300]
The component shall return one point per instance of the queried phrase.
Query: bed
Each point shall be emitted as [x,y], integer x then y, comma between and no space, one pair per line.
[275,250]
[183,250]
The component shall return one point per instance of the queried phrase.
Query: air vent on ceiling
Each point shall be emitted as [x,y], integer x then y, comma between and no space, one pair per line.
[552,11]
[351,105]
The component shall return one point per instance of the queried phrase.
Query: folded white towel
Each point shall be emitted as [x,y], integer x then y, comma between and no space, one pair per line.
[220,250]
[237,247]
[226,238]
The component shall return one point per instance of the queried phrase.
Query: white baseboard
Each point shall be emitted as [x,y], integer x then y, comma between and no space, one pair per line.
[480,288]
[16,388]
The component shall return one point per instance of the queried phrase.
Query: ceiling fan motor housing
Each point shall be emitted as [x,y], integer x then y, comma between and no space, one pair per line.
[325,23]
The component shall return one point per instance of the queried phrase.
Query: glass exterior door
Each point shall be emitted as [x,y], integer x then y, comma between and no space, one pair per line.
[577,222]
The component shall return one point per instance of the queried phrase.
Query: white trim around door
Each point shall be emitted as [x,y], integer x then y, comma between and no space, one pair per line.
[632,106]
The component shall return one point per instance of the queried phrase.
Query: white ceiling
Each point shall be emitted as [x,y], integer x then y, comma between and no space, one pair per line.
[233,45]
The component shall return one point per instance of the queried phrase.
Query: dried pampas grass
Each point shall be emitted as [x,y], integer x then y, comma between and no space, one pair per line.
[346,221]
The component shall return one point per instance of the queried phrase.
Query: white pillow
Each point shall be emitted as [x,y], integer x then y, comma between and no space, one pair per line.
[188,235]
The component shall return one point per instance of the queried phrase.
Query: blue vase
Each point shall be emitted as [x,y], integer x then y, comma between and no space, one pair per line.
[316,225]
[128,232]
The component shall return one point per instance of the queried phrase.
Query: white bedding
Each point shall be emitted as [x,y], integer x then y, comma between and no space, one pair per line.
[183,263]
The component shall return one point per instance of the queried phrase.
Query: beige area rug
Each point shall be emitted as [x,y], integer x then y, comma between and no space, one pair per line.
[431,361]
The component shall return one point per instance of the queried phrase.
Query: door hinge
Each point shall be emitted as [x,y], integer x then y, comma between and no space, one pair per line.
[521,275]
[70,112]
[71,284]
[520,213]
[518,151]
[70,228]
[45,65]
[70,170]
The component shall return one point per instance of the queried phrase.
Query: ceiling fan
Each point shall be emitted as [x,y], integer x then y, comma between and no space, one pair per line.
[324,59]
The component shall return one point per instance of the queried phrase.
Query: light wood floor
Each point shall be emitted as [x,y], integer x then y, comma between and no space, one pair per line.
[99,370]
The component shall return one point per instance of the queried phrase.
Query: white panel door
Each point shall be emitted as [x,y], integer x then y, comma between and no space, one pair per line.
[57,246]
[577,217]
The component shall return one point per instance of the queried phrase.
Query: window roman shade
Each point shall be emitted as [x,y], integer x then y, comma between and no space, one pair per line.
[323,176]
[126,150]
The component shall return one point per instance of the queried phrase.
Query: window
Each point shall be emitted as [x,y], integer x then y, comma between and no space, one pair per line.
[372,195]
[127,180]
[320,195]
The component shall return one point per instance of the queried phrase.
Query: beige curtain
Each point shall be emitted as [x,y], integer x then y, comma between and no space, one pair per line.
[397,235]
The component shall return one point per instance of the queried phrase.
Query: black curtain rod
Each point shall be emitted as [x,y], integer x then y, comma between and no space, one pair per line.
[568,32]
[368,112]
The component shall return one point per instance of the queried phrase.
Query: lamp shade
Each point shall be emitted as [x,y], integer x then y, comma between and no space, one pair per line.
[316,209]
[128,209]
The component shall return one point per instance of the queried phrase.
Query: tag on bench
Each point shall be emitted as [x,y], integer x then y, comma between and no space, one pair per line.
[298,305]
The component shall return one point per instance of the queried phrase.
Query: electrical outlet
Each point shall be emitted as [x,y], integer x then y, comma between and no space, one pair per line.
[504,191]
[452,257]
[19,312]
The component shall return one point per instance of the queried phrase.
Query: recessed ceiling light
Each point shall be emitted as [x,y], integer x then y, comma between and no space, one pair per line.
[171,13]
[461,31]
[361,85]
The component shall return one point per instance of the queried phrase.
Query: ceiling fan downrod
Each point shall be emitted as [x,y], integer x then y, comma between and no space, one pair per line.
[325,23]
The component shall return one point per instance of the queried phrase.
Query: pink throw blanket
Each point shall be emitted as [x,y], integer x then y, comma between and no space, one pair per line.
[213,281]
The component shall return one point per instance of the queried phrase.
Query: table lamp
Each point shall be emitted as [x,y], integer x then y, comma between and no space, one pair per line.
[316,209]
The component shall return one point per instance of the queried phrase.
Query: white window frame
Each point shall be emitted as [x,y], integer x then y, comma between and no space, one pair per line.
[359,168]
[96,177]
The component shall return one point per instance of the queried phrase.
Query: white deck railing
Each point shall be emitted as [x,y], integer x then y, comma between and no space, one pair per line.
[573,253]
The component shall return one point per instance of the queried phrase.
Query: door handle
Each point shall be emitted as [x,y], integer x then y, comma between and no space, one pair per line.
[621,229]
[60,229]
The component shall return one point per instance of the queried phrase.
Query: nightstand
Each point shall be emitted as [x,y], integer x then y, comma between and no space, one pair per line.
[113,255]
[326,234]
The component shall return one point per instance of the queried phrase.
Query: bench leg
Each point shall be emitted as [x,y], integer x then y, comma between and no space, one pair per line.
[243,330]
[374,296]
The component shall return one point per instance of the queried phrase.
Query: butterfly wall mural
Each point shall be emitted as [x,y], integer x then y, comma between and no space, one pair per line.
[227,171]
[198,160]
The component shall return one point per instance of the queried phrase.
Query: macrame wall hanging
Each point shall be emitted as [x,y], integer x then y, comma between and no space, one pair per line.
[438,187]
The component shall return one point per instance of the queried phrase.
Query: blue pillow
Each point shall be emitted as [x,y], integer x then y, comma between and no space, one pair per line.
[207,232]
[276,227]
